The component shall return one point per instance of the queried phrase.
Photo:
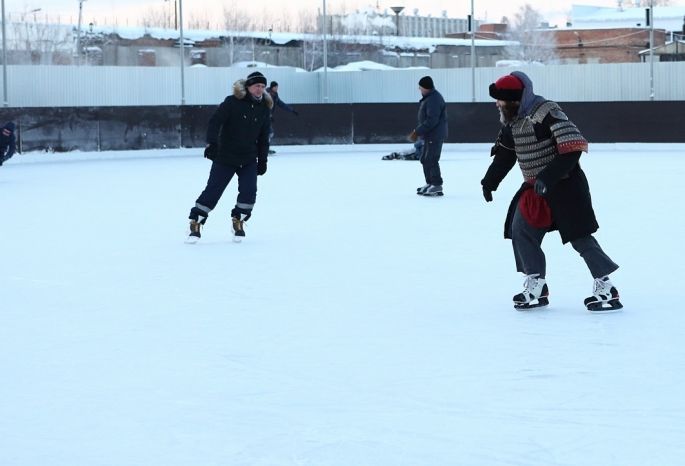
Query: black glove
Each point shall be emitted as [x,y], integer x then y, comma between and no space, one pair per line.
[296,113]
[487,194]
[540,187]
[261,166]
[211,151]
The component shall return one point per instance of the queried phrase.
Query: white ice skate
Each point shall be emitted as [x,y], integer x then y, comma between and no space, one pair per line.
[534,294]
[604,297]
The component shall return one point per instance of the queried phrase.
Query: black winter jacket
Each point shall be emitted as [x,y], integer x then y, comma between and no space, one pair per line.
[240,127]
[432,117]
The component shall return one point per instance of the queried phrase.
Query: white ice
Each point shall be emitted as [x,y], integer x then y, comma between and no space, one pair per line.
[357,325]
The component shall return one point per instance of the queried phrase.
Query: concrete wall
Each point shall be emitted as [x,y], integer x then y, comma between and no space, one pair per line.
[118,128]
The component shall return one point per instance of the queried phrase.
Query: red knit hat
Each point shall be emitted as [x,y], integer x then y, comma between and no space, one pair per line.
[507,87]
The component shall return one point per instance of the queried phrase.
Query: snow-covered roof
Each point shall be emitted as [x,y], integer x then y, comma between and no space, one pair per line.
[669,18]
[390,41]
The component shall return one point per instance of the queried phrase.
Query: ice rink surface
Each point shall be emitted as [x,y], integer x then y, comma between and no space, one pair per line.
[357,325]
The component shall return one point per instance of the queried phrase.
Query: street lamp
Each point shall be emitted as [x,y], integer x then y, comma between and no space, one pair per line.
[473,55]
[325,56]
[34,13]
[397,10]
[78,34]
[651,49]
[183,51]
[4,59]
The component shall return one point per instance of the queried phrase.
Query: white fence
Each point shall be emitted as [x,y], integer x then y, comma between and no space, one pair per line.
[85,86]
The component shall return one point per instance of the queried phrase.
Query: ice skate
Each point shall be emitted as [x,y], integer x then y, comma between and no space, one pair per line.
[535,293]
[194,234]
[604,297]
[238,230]
[420,191]
[433,191]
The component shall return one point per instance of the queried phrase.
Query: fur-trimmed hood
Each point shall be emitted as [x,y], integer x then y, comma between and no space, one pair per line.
[239,92]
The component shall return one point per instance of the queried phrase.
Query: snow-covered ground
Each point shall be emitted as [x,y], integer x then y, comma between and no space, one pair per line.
[357,325]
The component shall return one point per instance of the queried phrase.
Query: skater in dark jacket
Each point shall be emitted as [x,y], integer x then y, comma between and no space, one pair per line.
[432,128]
[278,102]
[8,143]
[237,144]
[555,194]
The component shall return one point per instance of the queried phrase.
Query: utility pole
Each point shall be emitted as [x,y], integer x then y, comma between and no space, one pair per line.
[4,59]
[78,33]
[473,55]
[650,18]
[182,47]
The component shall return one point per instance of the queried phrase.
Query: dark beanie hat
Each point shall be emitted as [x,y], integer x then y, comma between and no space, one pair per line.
[507,87]
[273,84]
[426,82]
[255,78]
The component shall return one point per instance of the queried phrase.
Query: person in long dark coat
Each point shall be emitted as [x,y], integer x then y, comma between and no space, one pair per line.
[555,194]
[237,144]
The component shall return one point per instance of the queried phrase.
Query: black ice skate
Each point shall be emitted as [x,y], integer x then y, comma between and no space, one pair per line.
[433,191]
[422,189]
[604,297]
[535,293]
[238,230]
[194,235]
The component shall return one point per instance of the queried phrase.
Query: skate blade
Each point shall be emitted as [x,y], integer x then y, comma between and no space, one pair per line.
[191,240]
[542,302]
[605,308]
[432,194]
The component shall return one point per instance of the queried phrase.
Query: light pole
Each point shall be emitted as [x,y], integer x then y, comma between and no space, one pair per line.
[325,56]
[175,14]
[397,10]
[34,13]
[4,59]
[473,56]
[78,33]
[651,49]
[183,46]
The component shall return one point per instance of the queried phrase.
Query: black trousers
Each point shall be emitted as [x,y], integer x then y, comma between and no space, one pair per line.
[430,158]
[219,177]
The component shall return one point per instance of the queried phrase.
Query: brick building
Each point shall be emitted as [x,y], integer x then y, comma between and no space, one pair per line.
[619,45]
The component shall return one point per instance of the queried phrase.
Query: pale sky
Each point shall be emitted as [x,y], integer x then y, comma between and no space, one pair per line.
[101,11]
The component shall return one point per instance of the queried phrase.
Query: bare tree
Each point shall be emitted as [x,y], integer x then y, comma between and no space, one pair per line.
[37,43]
[534,44]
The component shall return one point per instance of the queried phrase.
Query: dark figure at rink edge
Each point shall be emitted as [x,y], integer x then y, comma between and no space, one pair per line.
[432,128]
[554,196]
[277,102]
[8,144]
[237,144]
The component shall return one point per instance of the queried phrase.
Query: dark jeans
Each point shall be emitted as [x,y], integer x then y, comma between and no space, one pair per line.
[219,177]
[430,158]
[530,259]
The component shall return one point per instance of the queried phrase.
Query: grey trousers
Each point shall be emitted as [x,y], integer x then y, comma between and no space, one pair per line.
[530,259]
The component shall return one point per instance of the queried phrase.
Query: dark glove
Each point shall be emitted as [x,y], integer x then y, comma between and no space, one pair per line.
[296,113]
[540,188]
[261,166]
[413,136]
[487,194]
[211,151]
